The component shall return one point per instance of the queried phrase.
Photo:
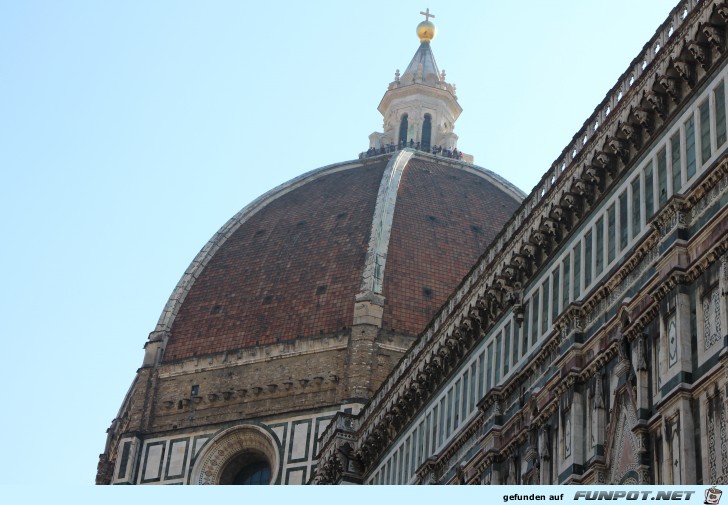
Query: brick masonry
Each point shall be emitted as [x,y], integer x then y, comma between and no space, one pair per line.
[290,271]
[444,219]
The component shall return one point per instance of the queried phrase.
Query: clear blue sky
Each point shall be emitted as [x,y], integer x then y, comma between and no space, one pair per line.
[131,131]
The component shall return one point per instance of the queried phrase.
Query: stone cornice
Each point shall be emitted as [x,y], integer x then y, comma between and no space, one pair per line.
[441,460]
[420,89]
[255,354]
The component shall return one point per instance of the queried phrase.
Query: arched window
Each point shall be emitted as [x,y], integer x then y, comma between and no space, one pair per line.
[254,473]
[248,468]
[243,454]
[427,132]
[403,126]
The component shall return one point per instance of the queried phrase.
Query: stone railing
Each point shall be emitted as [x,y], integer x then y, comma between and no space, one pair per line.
[435,150]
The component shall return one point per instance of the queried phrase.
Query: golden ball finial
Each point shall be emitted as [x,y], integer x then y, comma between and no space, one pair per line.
[426,30]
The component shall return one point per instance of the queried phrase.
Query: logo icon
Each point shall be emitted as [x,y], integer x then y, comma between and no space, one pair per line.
[712,496]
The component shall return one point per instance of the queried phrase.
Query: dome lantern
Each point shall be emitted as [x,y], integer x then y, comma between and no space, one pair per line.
[419,107]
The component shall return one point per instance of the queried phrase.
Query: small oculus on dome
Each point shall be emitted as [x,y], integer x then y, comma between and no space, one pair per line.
[426,30]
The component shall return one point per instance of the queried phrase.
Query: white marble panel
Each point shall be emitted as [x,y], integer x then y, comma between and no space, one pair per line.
[298,441]
[177,458]
[154,457]
[296,476]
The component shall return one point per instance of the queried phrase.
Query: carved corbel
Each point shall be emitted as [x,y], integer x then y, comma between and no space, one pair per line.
[433,370]
[644,118]
[487,307]
[468,336]
[396,417]
[584,189]
[407,406]
[657,102]
[455,346]
[390,422]
[631,133]
[551,227]
[606,160]
[493,302]
[699,53]
[475,316]
[445,354]
[363,456]
[620,148]
[714,34]
[380,435]
[538,238]
[671,87]
[411,394]
[686,71]
[530,251]
[557,213]
[457,334]
[572,202]
[503,282]
[520,262]
[592,174]
[510,272]
[722,10]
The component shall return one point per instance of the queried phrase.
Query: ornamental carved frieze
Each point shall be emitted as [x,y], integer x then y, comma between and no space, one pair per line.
[707,259]
[713,186]
[668,284]
[636,328]
[672,215]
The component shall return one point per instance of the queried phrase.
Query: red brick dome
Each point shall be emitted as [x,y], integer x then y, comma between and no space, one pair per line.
[405,227]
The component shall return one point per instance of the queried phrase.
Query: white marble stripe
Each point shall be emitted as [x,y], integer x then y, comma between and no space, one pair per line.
[376,259]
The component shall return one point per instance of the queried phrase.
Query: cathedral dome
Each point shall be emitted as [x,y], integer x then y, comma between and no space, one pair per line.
[396,231]
[303,302]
